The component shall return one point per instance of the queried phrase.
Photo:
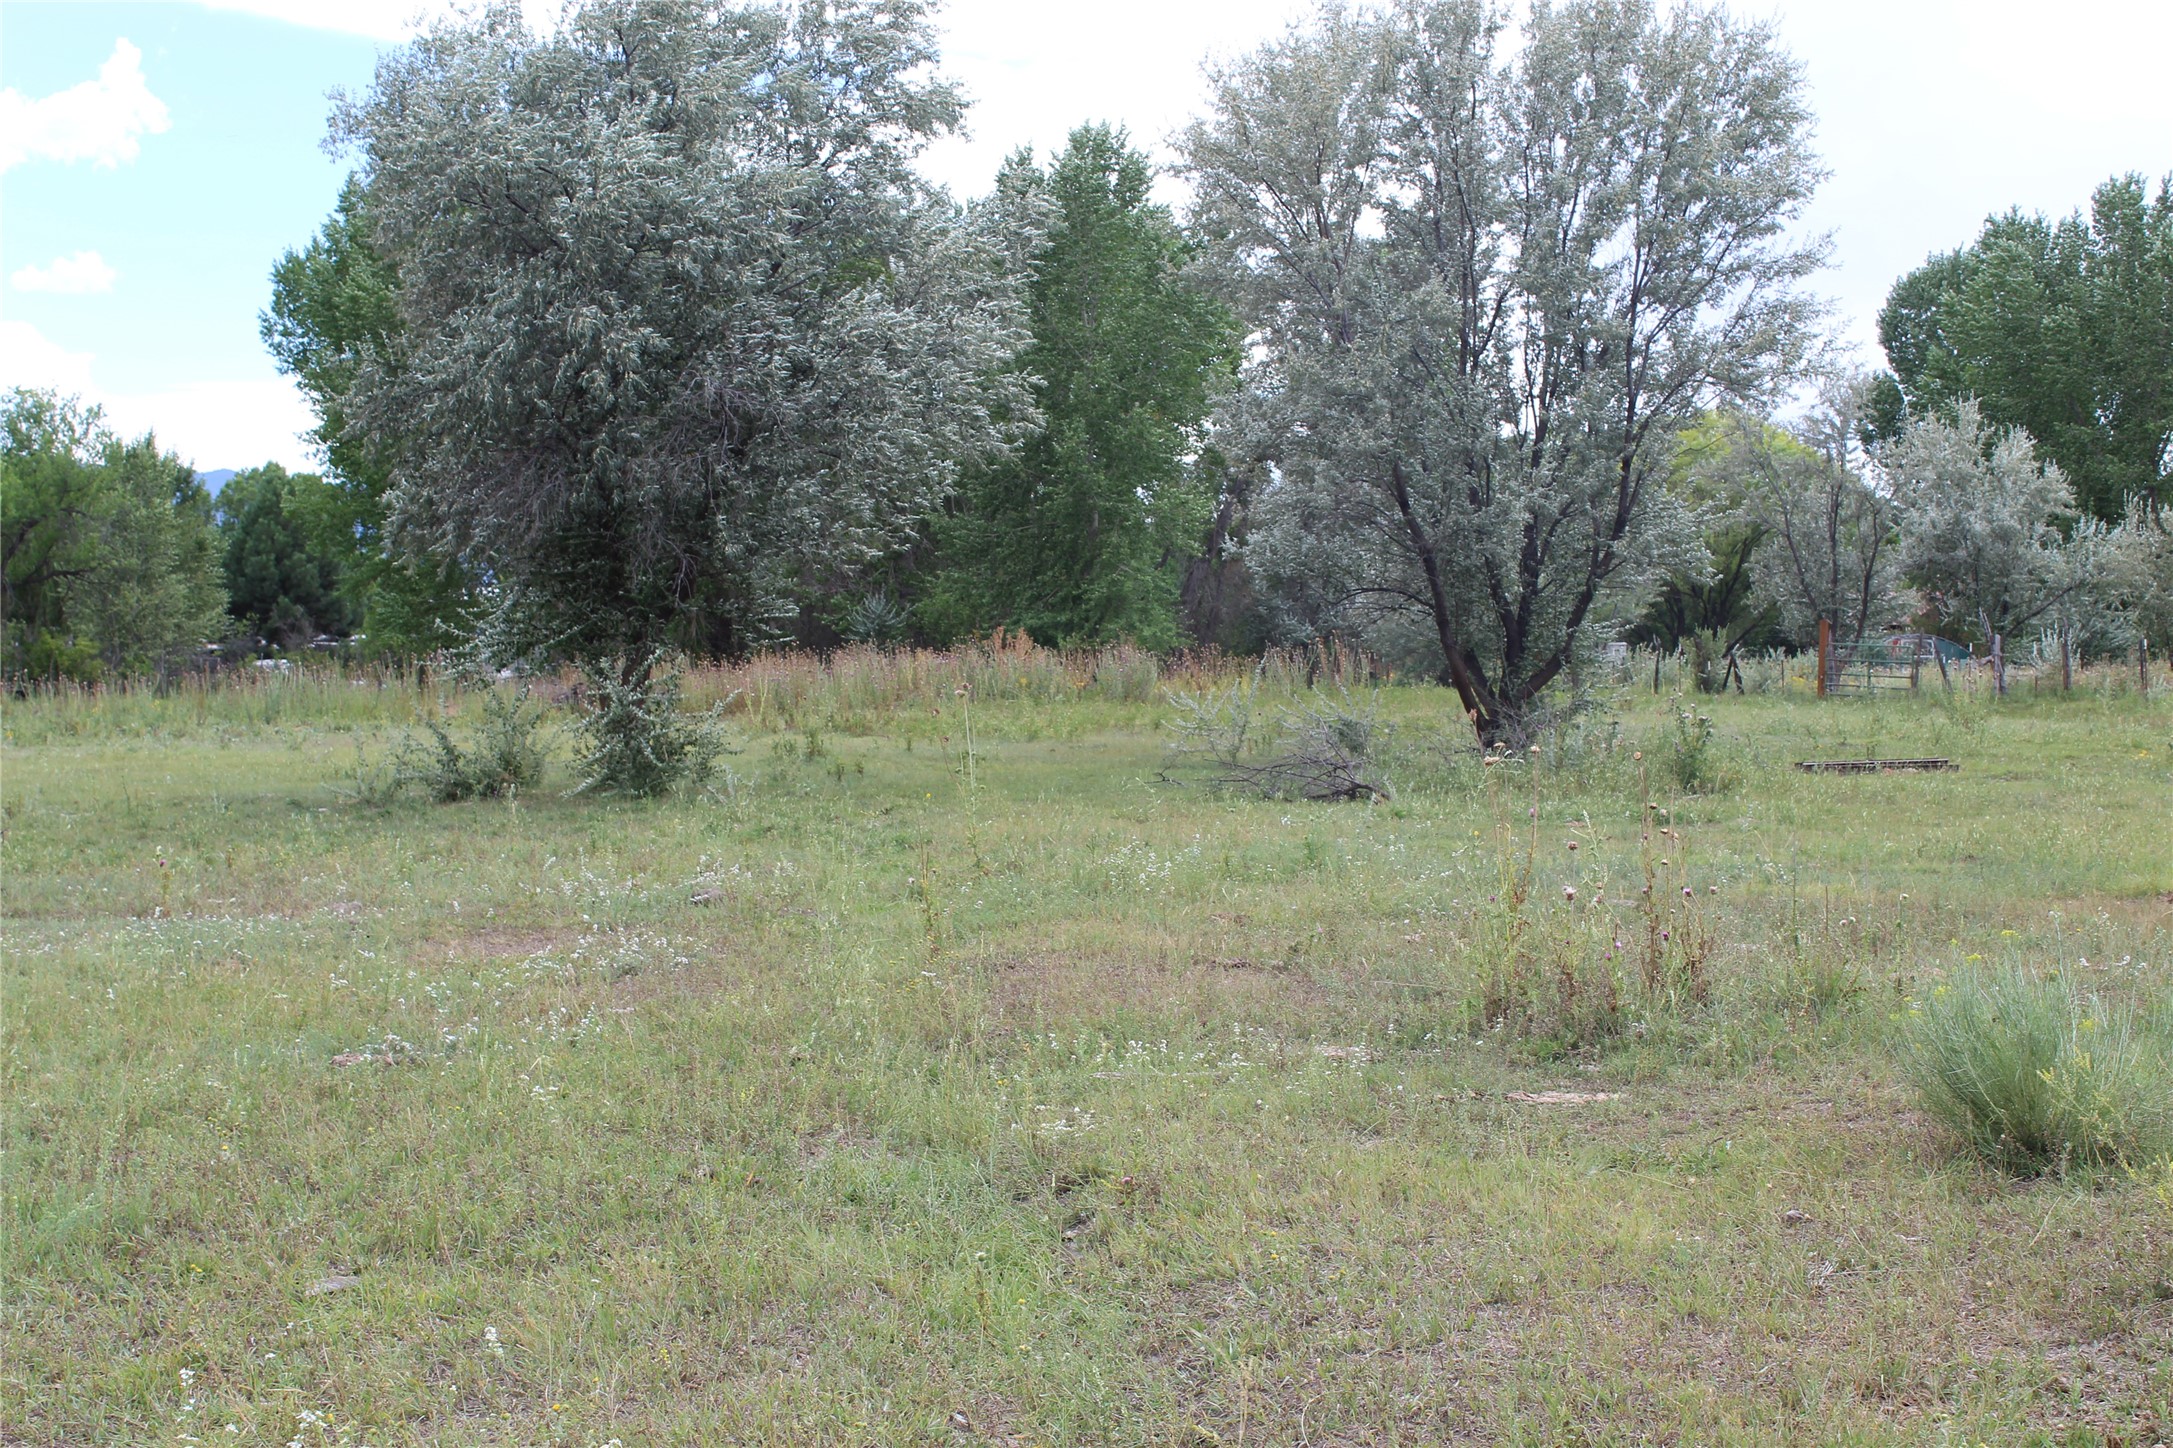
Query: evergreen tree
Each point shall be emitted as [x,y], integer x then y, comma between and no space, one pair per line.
[283,554]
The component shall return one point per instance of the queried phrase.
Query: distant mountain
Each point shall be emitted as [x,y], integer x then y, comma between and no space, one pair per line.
[216,479]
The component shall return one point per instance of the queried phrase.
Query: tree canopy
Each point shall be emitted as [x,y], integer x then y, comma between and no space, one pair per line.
[106,548]
[1981,516]
[681,325]
[2063,329]
[335,304]
[1082,535]
[1486,293]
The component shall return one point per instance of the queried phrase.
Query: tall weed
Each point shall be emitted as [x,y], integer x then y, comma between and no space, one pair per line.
[505,753]
[1568,969]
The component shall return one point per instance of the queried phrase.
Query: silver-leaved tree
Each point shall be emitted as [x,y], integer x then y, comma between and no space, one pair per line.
[681,327]
[1981,531]
[1486,293]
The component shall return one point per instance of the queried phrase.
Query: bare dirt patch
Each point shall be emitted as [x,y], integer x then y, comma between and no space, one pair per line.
[1046,987]
[493,942]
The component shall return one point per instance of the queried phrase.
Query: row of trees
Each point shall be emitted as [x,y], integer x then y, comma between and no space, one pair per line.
[120,562]
[677,341]
[111,558]
[1951,522]
[646,337]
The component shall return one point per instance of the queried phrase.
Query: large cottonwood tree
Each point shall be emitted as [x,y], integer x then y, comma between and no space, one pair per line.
[679,323]
[2062,328]
[1082,535]
[1486,291]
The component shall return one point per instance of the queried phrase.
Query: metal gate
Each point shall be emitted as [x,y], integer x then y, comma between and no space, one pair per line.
[1895,663]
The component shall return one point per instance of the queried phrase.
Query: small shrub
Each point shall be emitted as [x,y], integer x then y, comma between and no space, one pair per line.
[1710,658]
[1585,748]
[374,783]
[1218,725]
[640,742]
[507,754]
[2037,1075]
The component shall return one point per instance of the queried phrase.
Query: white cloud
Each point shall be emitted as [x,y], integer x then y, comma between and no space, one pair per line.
[77,275]
[221,423]
[216,423]
[97,121]
[29,359]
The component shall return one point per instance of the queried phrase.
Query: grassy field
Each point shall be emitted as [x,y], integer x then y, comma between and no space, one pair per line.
[882,1095]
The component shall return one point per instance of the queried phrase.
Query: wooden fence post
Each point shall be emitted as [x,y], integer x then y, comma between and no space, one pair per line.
[1999,667]
[1825,653]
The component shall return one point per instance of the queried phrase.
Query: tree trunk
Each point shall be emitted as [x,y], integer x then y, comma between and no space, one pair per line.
[1489,718]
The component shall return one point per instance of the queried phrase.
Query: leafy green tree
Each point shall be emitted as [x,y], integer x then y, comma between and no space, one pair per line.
[1082,536]
[50,494]
[110,562]
[283,554]
[682,326]
[1718,600]
[334,304]
[2063,329]
[1484,294]
[1827,542]
[1714,596]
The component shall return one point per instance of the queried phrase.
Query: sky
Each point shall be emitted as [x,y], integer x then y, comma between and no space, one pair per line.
[156,159]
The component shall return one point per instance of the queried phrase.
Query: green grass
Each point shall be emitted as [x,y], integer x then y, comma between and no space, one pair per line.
[847,1105]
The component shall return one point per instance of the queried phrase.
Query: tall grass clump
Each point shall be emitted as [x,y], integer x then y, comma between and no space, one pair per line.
[779,689]
[330,695]
[2037,1075]
[1567,969]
